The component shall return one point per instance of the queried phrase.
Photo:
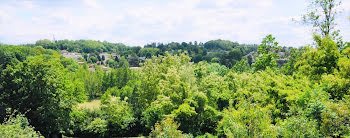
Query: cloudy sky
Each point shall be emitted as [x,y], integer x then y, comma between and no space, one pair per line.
[138,22]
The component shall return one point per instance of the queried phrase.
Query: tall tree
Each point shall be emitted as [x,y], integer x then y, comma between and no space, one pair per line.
[267,57]
[35,87]
[321,15]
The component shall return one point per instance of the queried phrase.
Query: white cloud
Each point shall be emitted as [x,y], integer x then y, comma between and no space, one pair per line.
[92,3]
[138,22]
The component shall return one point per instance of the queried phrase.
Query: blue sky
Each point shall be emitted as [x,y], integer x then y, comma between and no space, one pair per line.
[138,22]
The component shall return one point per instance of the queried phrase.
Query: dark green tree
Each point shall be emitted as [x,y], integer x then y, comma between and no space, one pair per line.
[35,88]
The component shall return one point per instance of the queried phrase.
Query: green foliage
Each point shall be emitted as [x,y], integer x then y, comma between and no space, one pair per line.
[173,70]
[75,90]
[344,63]
[35,87]
[268,44]
[337,87]
[167,128]
[324,59]
[119,116]
[241,66]
[148,52]
[217,68]
[171,94]
[216,89]
[92,59]
[298,126]
[321,15]
[87,122]
[98,127]
[289,67]
[249,121]
[336,120]
[18,127]
[267,57]
[185,115]
[220,44]
[133,60]
[207,120]
[69,63]
[157,110]
[44,43]
[92,80]
[118,78]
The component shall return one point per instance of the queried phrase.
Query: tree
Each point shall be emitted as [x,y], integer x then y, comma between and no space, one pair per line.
[298,126]
[323,59]
[336,120]
[45,43]
[246,122]
[98,127]
[186,116]
[166,128]
[157,110]
[148,52]
[267,56]
[344,63]
[93,81]
[216,68]
[119,116]
[220,45]
[216,89]
[241,66]
[103,57]
[35,87]
[321,15]
[93,59]
[133,60]
[18,127]
[289,67]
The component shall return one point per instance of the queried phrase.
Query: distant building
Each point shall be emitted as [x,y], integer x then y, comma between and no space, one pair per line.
[75,56]
[115,55]
[142,59]
[106,55]
[104,67]
[135,68]
[281,54]
[282,61]
[64,51]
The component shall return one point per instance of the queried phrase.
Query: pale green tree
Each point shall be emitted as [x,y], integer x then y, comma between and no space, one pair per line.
[321,14]
[266,54]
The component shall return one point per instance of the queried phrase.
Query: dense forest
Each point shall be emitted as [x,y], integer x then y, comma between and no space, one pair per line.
[214,89]
[220,51]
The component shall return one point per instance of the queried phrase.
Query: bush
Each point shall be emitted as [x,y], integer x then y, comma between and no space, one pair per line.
[246,122]
[167,128]
[18,127]
[298,126]
[98,127]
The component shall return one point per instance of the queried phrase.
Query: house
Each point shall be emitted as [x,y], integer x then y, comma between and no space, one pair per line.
[75,56]
[142,59]
[64,52]
[91,69]
[106,55]
[135,68]
[282,61]
[115,55]
[104,67]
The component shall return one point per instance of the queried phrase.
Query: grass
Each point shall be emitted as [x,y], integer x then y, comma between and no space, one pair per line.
[91,104]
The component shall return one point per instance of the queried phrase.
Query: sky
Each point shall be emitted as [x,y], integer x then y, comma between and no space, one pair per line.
[139,22]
